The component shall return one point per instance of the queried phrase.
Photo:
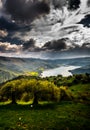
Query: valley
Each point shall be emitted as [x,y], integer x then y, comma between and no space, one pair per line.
[12,67]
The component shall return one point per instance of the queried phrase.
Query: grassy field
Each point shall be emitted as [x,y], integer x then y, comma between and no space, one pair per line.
[72,114]
[66,115]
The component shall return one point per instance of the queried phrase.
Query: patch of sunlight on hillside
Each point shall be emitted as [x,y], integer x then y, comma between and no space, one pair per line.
[33,73]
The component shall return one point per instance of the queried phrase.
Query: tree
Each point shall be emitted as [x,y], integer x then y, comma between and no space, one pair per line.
[42,90]
[47,91]
[11,91]
[36,89]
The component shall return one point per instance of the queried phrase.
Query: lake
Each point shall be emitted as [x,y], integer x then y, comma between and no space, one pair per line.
[62,70]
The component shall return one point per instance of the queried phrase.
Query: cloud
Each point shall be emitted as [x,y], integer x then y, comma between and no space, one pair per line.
[2,10]
[58,3]
[8,48]
[61,45]
[3,33]
[8,25]
[64,44]
[29,49]
[26,47]
[88,3]
[56,45]
[22,10]
[86,45]
[0,6]
[30,46]
[85,21]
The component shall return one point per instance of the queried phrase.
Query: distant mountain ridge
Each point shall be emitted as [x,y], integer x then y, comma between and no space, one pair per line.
[12,67]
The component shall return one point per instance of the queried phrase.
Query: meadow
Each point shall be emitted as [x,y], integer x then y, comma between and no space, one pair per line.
[66,114]
[52,116]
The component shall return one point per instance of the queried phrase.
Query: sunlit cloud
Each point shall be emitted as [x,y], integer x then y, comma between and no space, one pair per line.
[3,33]
[7,47]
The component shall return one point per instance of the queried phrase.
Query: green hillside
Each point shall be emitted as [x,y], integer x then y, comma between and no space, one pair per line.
[52,103]
[13,67]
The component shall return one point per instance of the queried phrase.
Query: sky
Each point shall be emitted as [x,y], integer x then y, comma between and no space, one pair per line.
[44,28]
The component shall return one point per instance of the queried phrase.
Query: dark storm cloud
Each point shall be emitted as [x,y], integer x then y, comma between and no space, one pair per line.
[30,46]
[59,3]
[86,21]
[64,44]
[73,4]
[55,45]
[86,45]
[7,25]
[88,3]
[26,11]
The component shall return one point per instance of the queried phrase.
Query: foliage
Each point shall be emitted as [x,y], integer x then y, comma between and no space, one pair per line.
[26,97]
[44,90]
[54,88]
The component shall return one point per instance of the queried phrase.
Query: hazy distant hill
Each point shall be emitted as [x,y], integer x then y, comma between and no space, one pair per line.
[13,67]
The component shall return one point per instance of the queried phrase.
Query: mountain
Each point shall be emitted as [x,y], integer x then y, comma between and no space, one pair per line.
[12,67]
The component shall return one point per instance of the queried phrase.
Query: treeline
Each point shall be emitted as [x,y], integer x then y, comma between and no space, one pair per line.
[70,80]
[54,88]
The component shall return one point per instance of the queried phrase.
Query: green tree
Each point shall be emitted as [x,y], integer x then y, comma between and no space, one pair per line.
[42,90]
[11,91]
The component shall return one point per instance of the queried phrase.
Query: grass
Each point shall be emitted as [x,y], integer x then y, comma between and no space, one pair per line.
[80,88]
[66,115]
[52,116]
[81,91]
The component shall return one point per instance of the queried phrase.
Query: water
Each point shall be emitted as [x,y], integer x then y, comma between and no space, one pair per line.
[63,70]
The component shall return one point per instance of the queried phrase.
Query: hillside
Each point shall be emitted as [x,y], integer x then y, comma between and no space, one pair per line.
[13,67]
[56,103]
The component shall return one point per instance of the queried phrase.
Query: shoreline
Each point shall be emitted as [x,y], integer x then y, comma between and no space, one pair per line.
[63,70]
